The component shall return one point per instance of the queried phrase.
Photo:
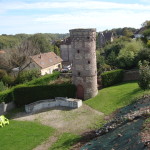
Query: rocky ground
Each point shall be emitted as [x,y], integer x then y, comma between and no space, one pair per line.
[129,130]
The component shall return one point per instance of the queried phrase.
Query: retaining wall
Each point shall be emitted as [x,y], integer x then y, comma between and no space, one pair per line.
[50,103]
[6,107]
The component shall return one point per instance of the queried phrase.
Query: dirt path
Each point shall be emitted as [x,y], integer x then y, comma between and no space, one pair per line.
[65,120]
[47,144]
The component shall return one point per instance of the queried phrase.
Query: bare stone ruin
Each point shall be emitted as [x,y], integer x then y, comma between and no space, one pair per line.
[84,70]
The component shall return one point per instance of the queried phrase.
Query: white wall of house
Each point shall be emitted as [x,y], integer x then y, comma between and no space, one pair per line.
[50,69]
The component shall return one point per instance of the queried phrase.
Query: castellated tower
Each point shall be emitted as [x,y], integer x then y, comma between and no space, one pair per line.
[84,70]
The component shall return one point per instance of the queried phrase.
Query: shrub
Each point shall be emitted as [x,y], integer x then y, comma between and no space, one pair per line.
[2,86]
[112,77]
[6,96]
[44,79]
[2,73]
[27,75]
[28,94]
[144,75]
[8,80]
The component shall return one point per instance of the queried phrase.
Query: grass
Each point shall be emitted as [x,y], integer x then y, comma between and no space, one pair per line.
[23,135]
[114,97]
[65,141]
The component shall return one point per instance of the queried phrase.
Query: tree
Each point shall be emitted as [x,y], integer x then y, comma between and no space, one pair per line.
[144,75]
[127,57]
[16,58]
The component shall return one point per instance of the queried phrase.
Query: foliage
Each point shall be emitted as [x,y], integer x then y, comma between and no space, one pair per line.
[44,80]
[112,77]
[144,54]
[112,98]
[148,43]
[127,57]
[144,75]
[2,73]
[2,86]
[8,41]
[27,75]
[24,94]
[6,96]
[65,141]
[8,80]
[23,135]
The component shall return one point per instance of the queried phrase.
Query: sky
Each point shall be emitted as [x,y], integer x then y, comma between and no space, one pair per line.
[59,16]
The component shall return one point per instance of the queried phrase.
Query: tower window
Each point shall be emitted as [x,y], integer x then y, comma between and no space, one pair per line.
[79,73]
[89,62]
[78,51]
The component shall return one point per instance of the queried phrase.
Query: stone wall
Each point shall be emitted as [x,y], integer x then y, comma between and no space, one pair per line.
[6,107]
[50,103]
[66,52]
[130,75]
[84,70]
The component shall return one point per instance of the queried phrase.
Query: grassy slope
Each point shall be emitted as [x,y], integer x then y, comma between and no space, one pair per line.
[22,135]
[114,97]
[65,141]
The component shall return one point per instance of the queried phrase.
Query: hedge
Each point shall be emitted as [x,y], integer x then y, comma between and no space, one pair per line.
[27,94]
[44,79]
[112,77]
[6,96]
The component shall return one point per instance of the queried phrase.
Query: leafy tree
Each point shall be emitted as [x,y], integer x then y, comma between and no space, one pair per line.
[127,57]
[144,75]
[144,54]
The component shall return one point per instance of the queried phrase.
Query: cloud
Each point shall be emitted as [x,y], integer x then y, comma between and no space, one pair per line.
[79,14]
[81,4]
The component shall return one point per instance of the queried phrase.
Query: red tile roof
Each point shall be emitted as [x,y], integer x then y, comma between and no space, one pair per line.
[46,60]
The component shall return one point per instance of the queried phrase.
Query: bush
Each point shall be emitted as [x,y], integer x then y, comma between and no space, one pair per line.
[6,96]
[2,86]
[27,76]
[144,75]
[8,80]
[2,73]
[27,94]
[44,79]
[112,77]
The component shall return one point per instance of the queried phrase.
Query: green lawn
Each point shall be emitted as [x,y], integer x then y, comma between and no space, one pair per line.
[23,135]
[65,141]
[114,97]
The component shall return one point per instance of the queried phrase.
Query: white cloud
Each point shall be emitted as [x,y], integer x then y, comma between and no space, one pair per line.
[82,4]
[83,14]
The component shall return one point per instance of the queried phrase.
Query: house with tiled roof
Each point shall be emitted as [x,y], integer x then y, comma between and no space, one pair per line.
[139,33]
[45,62]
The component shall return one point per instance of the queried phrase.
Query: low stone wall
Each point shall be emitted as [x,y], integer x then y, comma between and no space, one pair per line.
[6,107]
[50,103]
[130,75]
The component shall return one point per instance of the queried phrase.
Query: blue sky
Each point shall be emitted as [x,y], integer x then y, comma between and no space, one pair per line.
[58,16]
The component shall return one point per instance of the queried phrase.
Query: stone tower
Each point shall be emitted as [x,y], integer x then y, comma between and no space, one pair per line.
[84,70]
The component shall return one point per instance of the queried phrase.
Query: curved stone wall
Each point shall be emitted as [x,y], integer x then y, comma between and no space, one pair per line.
[50,103]
[84,70]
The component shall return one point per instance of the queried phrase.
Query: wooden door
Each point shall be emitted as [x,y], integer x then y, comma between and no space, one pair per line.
[80,92]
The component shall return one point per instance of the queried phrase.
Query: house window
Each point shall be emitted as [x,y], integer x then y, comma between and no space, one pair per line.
[88,37]
[79,73]
[89,62]
[78,51]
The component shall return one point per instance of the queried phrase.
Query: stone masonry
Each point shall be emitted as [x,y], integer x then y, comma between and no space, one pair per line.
[84,70]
